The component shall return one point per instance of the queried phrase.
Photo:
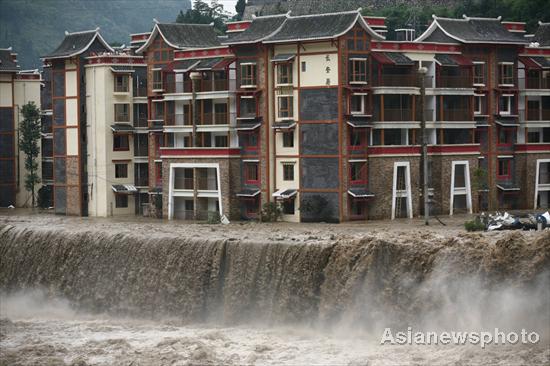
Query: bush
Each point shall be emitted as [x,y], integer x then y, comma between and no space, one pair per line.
[316,209]
[474,225]
[271,212]
[214,218]
[45,197]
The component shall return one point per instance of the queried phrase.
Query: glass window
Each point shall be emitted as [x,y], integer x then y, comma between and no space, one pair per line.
[506,74]
[358,172]
[284,73]
[251,172]
[479,101]
[289,207]
[121,170]
[504,168]
[122,83]
[121,142]
[121,201]
[479,73]
[221,141]
[357,104]
[286,107]
[358,71]
[505,104]
[157,80]
[288,139]
[248,75]
[121,113]
[288,172]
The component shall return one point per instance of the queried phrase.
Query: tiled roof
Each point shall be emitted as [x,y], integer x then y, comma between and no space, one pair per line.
[189,35]
[542,35]
[474,30]
[321,26]
[75,43]
[260,28]
[6,61]
[303,7]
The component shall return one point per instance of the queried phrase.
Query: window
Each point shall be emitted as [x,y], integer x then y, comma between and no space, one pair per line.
[121,170]
[358,208]
[286,106]
[247,107]
[220,114]
[157,80]
[358,70]
[357,137]
[289,207]
[220,141]
[357,104]
[121,113]
[304,67]
[479,73]
[505,136]
[479,101]
[358,172]
[248,74]
[121,83]
[288,139]
[533,137]
[158,174]
[251,173]
[288,172]
[121,201]
[506,73]
[284,73]
[121,142]
[505,104]
[504,168]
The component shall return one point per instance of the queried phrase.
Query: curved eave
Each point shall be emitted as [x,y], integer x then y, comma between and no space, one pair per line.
[97,34]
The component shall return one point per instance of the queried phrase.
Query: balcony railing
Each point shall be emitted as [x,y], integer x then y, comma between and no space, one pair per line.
[178,119]
[455,115]
[214,85]
[157,85]
[534,114]
[140,121]
[428,115]
[140,91]
[406,80]
[186,86]
[207,184]
[121,88]
[535,83]
[454,81]
[199,215]
[214,119]
[122,117]
[184,183]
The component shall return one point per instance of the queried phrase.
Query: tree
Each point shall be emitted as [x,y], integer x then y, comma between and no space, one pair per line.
[202,13]
[29,130]
[239,8]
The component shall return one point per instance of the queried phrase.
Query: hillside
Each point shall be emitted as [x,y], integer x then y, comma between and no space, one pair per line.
[34,28]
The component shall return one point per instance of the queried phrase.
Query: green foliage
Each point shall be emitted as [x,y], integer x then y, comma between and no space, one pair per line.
[45,197]
[239,8]
[479,179]
[214,218]
[29,130]
[271,212]
[316,209]
[202,13]
[474,225]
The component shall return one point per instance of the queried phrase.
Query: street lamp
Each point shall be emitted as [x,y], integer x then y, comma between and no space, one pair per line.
[422,71]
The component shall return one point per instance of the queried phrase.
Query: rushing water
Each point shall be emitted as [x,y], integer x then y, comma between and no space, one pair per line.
[75,297]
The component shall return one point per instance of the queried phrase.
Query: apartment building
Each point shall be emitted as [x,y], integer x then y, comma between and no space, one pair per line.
[17,88]
[312,111]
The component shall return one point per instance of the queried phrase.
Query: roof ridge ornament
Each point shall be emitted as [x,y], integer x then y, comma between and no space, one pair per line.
[155,21]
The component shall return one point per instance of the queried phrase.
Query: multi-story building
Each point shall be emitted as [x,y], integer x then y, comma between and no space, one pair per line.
[319,113]
[17,88]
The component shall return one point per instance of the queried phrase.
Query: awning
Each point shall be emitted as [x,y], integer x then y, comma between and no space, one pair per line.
[285,193]
[482,123]
[284,57]
[537,63]
[124,188]
[208,64]
[507,123]
[392,58]
[249,192]
[223,64]
[508,186]
[183,65]
[122,128]
[249,124]
[359,121]
[443,59]
[121,70]
[284,125]
[360,193]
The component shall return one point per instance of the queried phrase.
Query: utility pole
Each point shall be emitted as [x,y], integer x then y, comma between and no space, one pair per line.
[422,75]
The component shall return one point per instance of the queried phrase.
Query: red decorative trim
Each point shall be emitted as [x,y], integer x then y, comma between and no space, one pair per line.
[208,151]
[454,149]
[238,26]
[413,46]
[140,37]
[27,77]
[212,52]
[514,26]
[535,51]
[114,59]
[393,150]
[437,149]
[532,147]
[375,21]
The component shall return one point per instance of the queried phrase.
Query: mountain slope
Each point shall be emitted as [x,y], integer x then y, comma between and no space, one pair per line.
[34,28]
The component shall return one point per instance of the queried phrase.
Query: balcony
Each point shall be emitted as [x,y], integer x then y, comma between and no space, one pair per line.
[214,119]
[122,117]
[140,121]
[186,86]
[140,91]
[182,183]
[397,80]
[445,81]
[535,83]
[178,119]
[395,115]
[534,114]
[455,114]
[214,85]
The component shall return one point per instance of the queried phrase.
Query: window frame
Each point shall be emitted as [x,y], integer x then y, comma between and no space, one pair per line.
[363,177]
[248,169]
[363,104]
[362,133]
[121,174]
[289,203]
[123,87]
[285,175]
[248,75]
[508,165]
[509,104]
[286,139]
[285,78]
[509,133]
[124,203]
[157,83]
[290,107]
[121,137]
[478,104]
[126,112]
[479,77]
[358,77]
[503,78]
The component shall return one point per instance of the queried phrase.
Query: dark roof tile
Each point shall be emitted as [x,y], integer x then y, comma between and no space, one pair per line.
[76,43]
[189,35]
[259,29]
[6,61]
[478,30]
[542,35]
